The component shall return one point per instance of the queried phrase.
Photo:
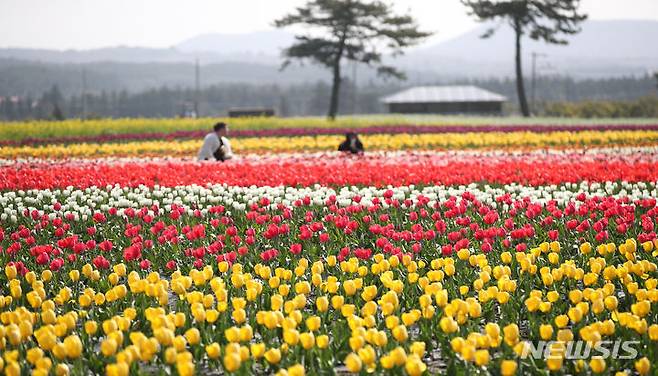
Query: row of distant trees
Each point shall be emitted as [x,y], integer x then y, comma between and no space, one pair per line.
[361,31]
[646,107]
[308,99]
[50,105]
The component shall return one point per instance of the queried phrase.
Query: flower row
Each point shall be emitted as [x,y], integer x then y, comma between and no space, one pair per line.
[309,131]
[590,153]
[326,143]
[17,131]
[535,168]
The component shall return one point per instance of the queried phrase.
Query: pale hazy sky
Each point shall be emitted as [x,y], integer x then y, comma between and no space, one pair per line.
[81,24]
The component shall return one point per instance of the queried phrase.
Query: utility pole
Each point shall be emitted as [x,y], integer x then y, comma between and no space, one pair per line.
[535,56]
[84,94]
[354,90]
[197,85]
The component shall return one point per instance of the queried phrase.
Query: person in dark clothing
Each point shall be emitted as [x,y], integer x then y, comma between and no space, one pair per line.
[351,144]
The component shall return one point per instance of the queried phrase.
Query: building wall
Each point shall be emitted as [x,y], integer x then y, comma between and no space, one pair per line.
[493,108]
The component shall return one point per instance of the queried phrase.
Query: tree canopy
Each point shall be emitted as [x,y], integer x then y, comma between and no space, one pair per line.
[544,20]
[355,30]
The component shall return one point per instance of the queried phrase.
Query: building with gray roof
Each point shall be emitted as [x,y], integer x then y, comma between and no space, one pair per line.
[445,100]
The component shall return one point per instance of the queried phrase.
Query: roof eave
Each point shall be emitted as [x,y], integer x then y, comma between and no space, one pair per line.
[429,102]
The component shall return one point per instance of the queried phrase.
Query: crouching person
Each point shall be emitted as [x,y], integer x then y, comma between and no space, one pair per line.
[352,144]
[216,147]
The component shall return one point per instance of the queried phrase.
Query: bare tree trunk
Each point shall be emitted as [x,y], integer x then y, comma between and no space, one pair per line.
[335,86]
[520,87]
[335,89]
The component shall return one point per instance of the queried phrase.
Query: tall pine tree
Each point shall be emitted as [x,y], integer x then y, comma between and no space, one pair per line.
[356,30]
[539,19]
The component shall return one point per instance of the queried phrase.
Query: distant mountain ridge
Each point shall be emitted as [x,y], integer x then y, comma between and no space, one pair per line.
[261,46]
[114,54]
[610,47]
[598,39]
[125,54]
[269,43]
[619,42]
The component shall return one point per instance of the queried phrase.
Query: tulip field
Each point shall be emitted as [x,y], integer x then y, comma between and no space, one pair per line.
[447,248]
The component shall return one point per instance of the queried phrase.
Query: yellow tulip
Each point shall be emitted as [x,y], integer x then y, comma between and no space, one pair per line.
[468,352]
[291,336]
[353,363]
[12,369]
[185,368]
[400,333]
[643,366]
[257,350]
[653,332]
[73,346]
[322,341]
[349,287]
[418,348]
[313,323]
[296,370]
[546,332]
[414,366]
[33,355]
[307,340]
[74,275]
[482,357]
[239,316]
[91,327]
[561,321]
[11,272]
[554,363]
[170,355]
[61,369]
[193,336]
[232,362]
[508,367]
[367,355]
[273,356]
[232,334]
[597,364]
[108,347]
[211,315]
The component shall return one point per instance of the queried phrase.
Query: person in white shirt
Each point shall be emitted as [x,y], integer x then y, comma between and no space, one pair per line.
[216,147]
